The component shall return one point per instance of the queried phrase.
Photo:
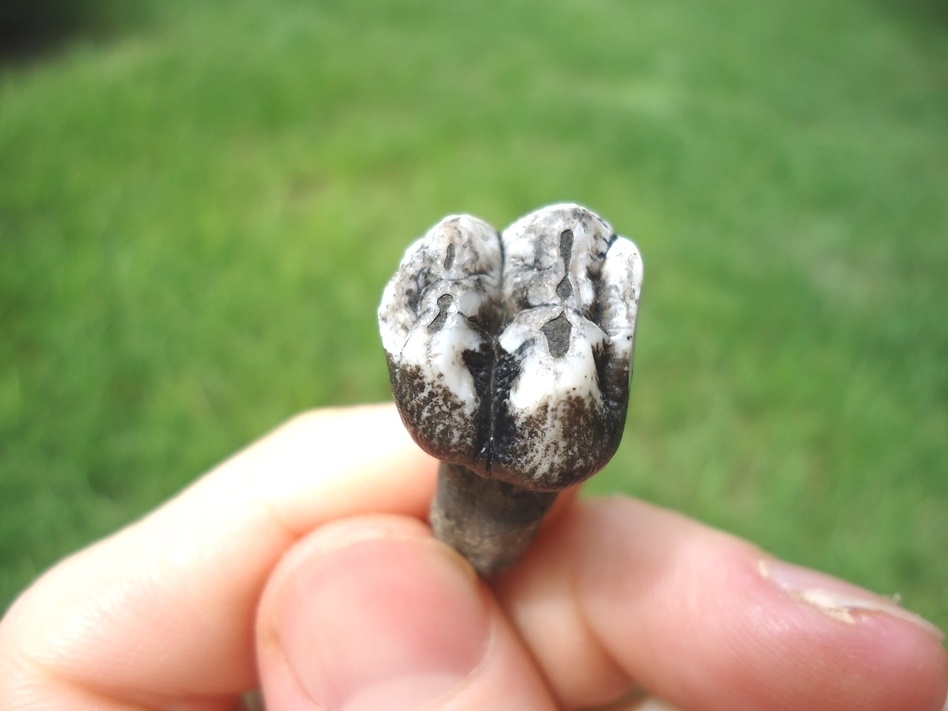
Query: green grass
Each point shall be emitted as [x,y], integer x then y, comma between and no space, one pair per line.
[198,214]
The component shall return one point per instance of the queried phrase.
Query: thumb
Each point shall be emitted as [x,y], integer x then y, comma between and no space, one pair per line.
[373,613]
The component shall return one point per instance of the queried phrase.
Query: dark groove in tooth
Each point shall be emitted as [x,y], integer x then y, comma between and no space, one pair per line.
[444,301]
[557,332]
[566,247]
[564,289]
[449,257]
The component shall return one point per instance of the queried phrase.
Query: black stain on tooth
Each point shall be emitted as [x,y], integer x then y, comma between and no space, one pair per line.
[432,413]
[449,257]
[444,301]
[494,371]
[557,332]
[602,357]
[565,289]
[503,426]
[481,366]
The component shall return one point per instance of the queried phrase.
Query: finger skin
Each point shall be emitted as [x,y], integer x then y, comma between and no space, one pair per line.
[161,615]
[374,613]
[166,607]
[642,593]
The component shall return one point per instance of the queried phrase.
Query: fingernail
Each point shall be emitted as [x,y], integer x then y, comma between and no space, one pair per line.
[384,623]
[837,598]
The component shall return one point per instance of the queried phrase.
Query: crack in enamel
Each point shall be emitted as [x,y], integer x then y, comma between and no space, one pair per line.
[511,353]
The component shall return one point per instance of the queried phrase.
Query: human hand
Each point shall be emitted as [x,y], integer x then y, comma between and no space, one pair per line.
[303,566]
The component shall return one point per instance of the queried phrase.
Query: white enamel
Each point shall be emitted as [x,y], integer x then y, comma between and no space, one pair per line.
[533,262]
[465,297]
[440,356]
[544,378]
[620,290]
[470,275]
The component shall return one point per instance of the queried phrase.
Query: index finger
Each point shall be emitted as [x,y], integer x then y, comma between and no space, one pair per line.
[164,609]
[708,621]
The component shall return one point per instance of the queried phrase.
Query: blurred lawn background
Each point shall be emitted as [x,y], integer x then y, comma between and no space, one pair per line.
[200,203]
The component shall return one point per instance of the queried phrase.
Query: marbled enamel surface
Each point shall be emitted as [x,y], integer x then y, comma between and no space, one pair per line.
[510,353]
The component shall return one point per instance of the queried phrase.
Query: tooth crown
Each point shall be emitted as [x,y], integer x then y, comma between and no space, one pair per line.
[510,353]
